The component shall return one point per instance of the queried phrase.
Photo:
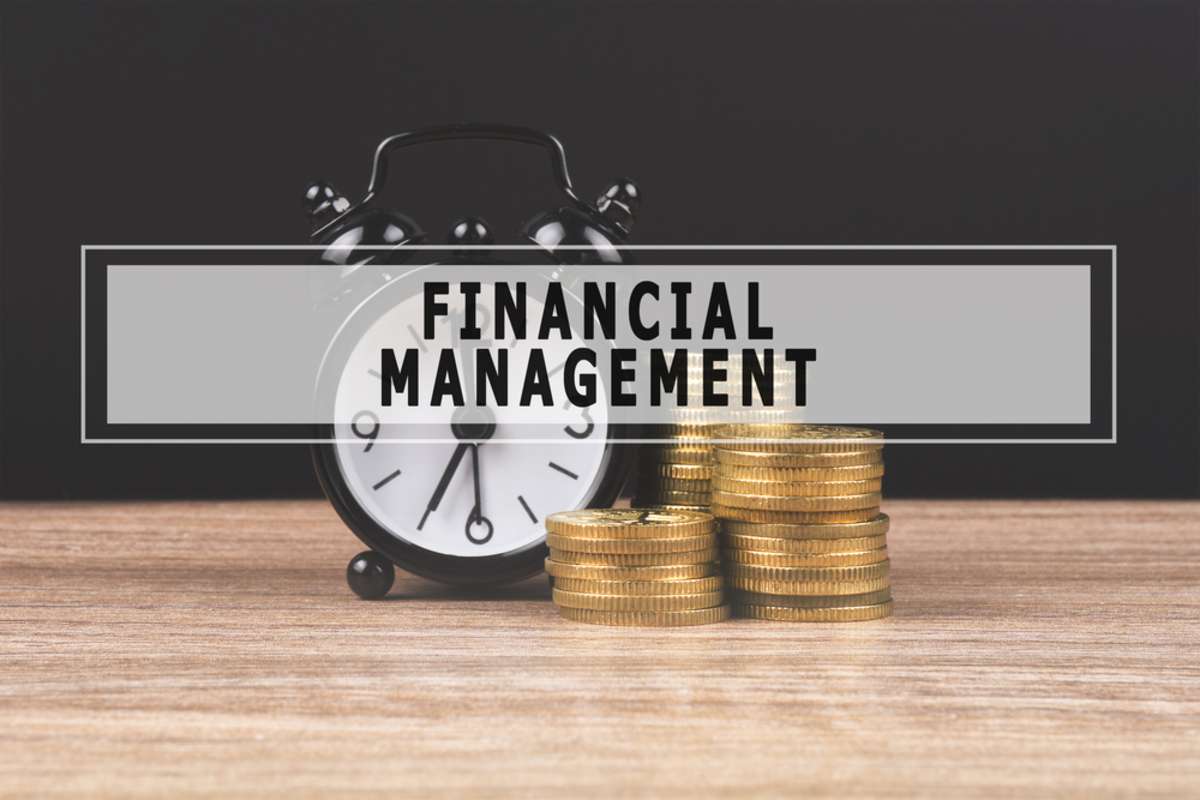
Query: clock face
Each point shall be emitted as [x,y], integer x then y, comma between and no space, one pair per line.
[425,494]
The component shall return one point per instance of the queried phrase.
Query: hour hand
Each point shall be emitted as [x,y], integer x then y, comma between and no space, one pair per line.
[477,512]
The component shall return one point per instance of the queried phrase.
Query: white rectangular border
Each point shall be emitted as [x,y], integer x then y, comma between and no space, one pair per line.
[83,251]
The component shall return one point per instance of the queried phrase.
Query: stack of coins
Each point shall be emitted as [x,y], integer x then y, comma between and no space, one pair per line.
[679,474]
[636,567]
[676,475]
[802,533]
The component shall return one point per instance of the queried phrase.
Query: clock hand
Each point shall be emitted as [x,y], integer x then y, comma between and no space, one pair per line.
[476,516]
[451,468]
[477,512]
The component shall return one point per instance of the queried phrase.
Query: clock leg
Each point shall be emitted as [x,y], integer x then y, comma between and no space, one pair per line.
[370,575]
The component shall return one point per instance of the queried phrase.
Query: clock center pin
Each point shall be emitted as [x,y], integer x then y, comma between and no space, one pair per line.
[473,424]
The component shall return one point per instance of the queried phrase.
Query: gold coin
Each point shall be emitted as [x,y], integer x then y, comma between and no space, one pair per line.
[675,506]
[811,601]
[680,544]
[785,614]
[698,455]
[875,525]
[866,572]
[667,572]
[683,431]
[712,416]
[657,484]
[797,503]
[647,619]
[633,523]
[765,516]
[730,455]
[812,560]
[764,544]
[666,497]
[644,499]
[703,557]
[796,488]
[808,587]
[691,472]
[799,438]
[612,602]
[740,472]
[651,499]
[640,588]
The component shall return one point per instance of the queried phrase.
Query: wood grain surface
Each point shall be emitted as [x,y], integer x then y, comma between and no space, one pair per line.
[170,649]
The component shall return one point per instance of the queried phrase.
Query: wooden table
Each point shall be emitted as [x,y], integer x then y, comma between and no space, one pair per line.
[163,649]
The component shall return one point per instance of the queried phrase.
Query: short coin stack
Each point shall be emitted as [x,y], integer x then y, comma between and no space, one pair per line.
[803,537]
[636,567]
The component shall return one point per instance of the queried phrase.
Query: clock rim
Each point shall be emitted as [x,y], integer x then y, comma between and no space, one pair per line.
[493,570]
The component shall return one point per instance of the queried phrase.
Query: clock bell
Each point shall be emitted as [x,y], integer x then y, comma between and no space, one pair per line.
[360,233]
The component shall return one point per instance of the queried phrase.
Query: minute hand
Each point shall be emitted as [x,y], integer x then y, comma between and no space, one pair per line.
[451,468]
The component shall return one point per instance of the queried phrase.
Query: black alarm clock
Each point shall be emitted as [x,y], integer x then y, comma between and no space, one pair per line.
[466,509]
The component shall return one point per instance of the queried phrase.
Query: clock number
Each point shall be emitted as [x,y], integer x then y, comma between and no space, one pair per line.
[586,432]
[369,435]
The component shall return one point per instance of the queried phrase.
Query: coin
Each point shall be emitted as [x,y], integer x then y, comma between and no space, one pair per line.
[796,488]
[666,572]
[674,506]
[640,588]
[853,559]
[879,569]
[796,503]
[787,614]
[607,602]
[736,456]
[808,587]
[876,524]
[755,413]
[628,522]
[752,414]
[811,601]
[648,619]
[741,472]
[681,544]
[669,497]
[659,484]
[698,454]
[798,438]
[692,472]
[686,558]
[766,516]
[686,431]
[765,544]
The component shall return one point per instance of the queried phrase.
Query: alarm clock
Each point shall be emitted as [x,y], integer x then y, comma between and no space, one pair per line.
[466,508]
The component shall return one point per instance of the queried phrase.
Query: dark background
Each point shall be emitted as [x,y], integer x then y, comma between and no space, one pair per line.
[761,122]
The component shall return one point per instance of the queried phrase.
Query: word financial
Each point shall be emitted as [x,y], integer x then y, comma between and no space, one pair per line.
[666,373]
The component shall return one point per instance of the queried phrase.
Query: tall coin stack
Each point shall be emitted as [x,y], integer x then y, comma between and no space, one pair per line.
[679,474]
[802,533]
[676,475]
[636,567]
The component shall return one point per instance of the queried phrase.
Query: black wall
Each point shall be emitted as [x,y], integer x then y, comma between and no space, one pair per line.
[758,122]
